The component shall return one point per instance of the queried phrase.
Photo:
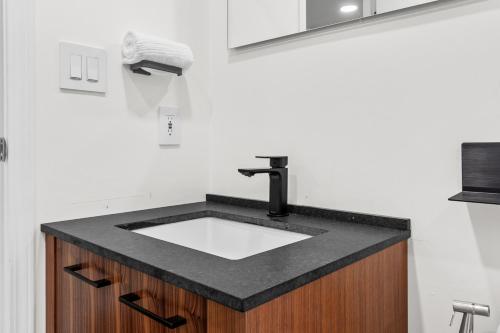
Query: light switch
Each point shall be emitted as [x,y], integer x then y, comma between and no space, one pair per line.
[82,67]
[92,69]
[75,67]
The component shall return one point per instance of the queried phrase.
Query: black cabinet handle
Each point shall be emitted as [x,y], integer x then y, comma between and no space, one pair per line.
[73,270]
[172,322]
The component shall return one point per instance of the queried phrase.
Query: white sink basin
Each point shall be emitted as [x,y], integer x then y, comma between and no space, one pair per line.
[223,238]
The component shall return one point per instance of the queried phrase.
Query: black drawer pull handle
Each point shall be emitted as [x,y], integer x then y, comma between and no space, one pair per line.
[73,270]
[172,322]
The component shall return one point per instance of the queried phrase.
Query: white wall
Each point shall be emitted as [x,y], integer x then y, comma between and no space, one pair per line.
[372,118]
[99,154]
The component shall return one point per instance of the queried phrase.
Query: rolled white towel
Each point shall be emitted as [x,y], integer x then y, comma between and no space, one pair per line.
[138,47]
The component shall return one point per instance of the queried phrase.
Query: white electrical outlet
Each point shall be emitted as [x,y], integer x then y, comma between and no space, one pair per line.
[169,126]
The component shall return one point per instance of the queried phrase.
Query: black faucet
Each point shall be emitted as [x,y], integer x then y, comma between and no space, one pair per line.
[278,186]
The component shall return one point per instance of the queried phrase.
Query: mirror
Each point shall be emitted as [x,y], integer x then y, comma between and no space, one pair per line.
[253,21]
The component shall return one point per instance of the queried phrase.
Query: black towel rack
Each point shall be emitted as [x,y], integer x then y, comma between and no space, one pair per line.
[480,173]
[138,68]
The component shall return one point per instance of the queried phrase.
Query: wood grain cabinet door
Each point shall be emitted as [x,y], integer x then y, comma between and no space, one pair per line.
[86,297]
[163,301]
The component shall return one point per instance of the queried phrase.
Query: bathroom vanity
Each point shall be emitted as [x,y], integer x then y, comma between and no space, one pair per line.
[315,270]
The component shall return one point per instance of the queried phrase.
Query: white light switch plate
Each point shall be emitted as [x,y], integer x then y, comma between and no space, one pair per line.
[169,126]
[82,68]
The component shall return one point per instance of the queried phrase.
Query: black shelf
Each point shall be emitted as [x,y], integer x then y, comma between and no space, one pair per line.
[480,173]
[477,197]
[138,68]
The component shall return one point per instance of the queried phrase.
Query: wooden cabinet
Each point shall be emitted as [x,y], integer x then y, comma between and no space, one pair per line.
[77,305]
[84,290]
[369,296]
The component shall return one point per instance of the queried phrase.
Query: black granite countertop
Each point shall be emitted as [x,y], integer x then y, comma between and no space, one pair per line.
[340,238]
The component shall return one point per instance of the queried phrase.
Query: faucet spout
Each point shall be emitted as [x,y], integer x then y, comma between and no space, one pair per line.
[253,172]
[278,184]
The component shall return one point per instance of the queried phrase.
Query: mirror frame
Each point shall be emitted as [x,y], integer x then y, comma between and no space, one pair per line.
[416,9]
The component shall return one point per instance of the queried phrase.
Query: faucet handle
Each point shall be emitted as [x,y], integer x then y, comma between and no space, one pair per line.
[276,161]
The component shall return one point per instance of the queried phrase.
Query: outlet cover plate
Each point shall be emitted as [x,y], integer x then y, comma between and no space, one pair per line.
[169,127]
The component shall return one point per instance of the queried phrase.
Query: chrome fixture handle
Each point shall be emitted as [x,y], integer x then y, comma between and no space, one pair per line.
[469,309]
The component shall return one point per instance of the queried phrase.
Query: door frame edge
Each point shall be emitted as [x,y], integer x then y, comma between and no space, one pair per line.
[20,235]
